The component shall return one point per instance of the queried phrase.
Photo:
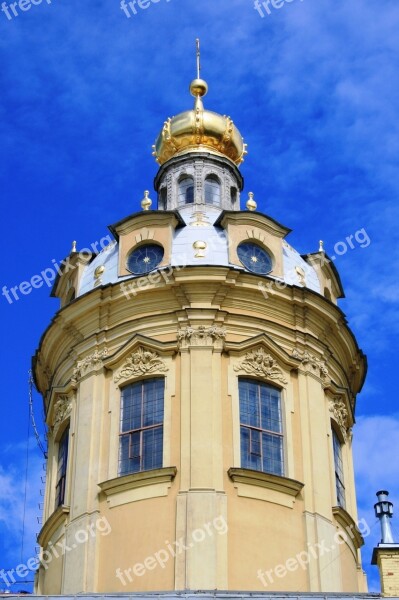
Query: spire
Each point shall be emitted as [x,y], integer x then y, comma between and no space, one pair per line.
[198,58]
[198,86]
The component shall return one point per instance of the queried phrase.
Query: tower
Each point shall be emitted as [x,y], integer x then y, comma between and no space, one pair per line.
[199,384]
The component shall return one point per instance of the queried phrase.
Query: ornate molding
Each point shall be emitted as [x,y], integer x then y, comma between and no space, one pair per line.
[340,413]
[313,365]
[62,410]
[89,363]
[201,336]
[261,364]
[141,362]
[278,483]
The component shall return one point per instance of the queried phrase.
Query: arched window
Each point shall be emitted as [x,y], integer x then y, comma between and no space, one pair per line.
[261,427]
[339,469]
[212,190]
[62,463]
[233,195]
[163,194]
[186,190]
[141,426]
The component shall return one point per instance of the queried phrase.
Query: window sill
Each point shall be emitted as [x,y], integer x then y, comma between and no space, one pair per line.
[57,518]
[265,486]
[138,486]
[345,521]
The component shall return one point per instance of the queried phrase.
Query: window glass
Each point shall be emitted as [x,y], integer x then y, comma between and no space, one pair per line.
[339,469]
[186,190]
[141,426]
[261,427]
[212,190]
[62,468]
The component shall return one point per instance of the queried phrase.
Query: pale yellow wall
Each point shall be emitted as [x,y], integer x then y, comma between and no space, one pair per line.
[266,525]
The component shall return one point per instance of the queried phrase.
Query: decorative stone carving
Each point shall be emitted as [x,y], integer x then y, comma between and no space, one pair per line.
[340,413]
[259,363]
[201,336]
[89,363]
[62,410]
[313,365]
[141,362]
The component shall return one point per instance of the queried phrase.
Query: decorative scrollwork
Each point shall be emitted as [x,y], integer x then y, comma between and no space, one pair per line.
[141,362]
[313,364]
[340,413]
[88,363]
[201,336]
[62,410]
[259,363]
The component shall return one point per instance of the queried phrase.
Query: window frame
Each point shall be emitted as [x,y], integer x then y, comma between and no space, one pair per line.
[181,194]
[281,435]
[209,179]
[338,465]
[139,430]
[61,479]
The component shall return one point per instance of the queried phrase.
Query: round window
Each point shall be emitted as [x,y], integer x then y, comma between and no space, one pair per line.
[254,258]
[145,258]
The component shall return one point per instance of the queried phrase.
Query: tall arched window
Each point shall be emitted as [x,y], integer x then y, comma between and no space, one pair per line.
[141,428]
[163,194]
[339,469]
[186,190]
[261,427]
[62,463]
[212,190]
[233,195]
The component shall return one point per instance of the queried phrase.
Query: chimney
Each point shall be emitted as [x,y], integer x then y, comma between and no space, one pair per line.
[386,554]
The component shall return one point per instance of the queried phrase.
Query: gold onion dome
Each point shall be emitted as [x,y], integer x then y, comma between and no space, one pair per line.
[199,130]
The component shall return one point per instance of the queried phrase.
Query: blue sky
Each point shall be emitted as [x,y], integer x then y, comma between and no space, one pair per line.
[314,89]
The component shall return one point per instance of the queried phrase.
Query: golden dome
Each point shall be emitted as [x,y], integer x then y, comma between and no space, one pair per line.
[199,130]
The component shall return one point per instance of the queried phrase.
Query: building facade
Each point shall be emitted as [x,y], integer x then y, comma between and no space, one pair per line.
[199,383]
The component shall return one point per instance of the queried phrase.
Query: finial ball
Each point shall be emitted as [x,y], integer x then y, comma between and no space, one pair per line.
[251,204]
[146,201]
[198,87]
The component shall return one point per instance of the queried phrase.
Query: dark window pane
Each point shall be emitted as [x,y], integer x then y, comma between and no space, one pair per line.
[339,469]
[62,468]
[141,439]
[212,190]
[261,427]
[186,190]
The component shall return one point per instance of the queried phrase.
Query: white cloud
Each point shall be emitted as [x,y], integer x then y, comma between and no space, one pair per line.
[12,500]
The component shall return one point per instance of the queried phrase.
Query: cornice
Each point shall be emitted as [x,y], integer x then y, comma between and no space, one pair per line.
[344,519]
[58,517]
[252,219]
[238,296]
[148,218]
[136,480]
[266,480]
